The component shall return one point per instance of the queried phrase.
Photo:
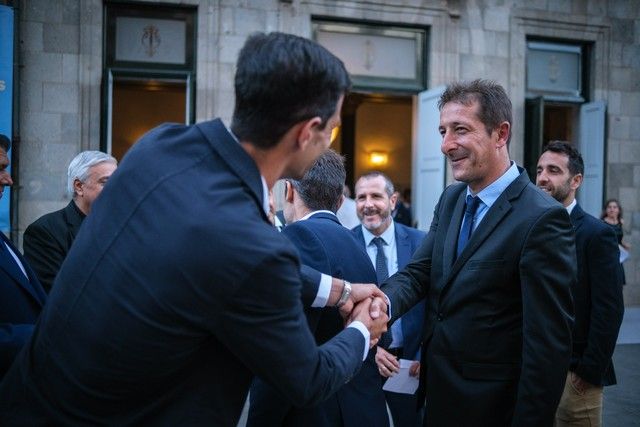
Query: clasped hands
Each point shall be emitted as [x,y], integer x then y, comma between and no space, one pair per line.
[367,304]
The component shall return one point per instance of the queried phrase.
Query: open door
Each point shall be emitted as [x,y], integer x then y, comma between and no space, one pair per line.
[136,105]
[428,161]
[591,145]
[533,134]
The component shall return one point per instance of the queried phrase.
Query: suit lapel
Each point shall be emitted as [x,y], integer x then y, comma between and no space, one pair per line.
[403,246]
[451,238]
[10,266]
[492,218]
[577,217]
[236,158]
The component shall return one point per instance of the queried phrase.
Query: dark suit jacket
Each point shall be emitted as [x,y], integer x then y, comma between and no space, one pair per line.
[175,292]
[48,239]
[21,300]
[328,247]
[407,241]
[597,296]
[498,318]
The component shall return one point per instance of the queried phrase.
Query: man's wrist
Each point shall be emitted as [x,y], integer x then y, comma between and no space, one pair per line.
[346,293]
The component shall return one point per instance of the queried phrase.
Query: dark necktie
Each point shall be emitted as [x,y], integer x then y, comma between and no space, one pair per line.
[382,273]
[467,227]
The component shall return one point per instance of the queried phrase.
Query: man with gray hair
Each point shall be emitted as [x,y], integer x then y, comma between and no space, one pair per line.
[48,239]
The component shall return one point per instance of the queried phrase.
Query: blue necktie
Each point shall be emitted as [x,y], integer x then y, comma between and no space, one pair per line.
[467,226]
[382,273]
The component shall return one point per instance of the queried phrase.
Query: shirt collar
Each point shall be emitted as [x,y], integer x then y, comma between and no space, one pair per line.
[307,216]
[571,206]
[490,194]
[388,235]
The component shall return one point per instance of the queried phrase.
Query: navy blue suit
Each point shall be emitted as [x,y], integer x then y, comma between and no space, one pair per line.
[404,407]
[21,300]
[175,292]
[328,247]
[497,341]
[597,297]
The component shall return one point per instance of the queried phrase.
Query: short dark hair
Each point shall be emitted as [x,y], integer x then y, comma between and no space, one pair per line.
[495,105]
[575,163]
[5,142]
[388,184]
[321,187]
[281,80]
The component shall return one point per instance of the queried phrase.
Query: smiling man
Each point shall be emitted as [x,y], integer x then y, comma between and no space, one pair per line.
[597,294]
[390,245]
[494,273]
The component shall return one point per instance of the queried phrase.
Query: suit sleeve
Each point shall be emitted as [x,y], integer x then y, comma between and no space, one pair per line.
[410,285]
[607,306]
[313,264]
[12,339]
[43,254]
[264,325]
[547,271]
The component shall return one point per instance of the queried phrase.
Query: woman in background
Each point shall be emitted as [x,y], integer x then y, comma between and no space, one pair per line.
[612,215]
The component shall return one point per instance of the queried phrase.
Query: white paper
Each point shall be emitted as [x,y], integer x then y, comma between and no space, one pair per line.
[402,382]
[624,254]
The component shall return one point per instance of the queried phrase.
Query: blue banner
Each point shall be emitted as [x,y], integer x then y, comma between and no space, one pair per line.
[6,97]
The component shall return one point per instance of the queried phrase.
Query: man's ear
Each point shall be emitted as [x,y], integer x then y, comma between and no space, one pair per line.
[393,200]
[503,130]
[77,187]
[307,130]
[576,181]
[288,195]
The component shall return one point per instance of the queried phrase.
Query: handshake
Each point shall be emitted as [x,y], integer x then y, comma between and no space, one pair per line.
[367,304]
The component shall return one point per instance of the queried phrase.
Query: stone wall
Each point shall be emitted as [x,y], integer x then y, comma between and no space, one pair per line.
[61,71]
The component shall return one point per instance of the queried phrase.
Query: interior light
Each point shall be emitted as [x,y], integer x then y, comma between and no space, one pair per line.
[378,158]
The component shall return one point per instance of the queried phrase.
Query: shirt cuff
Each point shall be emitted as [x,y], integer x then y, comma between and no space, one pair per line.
[323,292]
[365,333]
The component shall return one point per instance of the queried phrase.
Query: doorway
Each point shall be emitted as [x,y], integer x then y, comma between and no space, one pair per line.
[139,105]
[376,134]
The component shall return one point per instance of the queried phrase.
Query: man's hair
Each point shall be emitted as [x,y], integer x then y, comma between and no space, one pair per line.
[281,80]
[80,165]
[388,185]
[5,142]
[575,163]
[494,104]
[321,187]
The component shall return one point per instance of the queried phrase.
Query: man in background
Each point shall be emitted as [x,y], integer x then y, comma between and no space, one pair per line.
[21,295]
[390,246]
[597,295]
[310,210]
[48,239]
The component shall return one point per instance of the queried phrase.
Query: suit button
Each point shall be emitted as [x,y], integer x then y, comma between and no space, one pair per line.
[440,317]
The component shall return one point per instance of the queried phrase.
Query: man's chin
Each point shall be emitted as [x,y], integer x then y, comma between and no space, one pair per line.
[372,225]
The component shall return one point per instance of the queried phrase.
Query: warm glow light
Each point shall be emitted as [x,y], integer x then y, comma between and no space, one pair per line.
[378,158]
[334,133]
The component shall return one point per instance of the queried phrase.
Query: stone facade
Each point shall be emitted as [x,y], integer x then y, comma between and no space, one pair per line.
[61,51]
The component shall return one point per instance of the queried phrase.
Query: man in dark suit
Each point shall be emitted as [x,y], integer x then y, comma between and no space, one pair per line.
[21,295]
[48,239]
[597,295]
[177,289]
[495,270]
[390,246]
[324,244]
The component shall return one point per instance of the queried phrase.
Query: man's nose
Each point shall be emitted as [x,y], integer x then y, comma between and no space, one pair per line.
[447,143]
